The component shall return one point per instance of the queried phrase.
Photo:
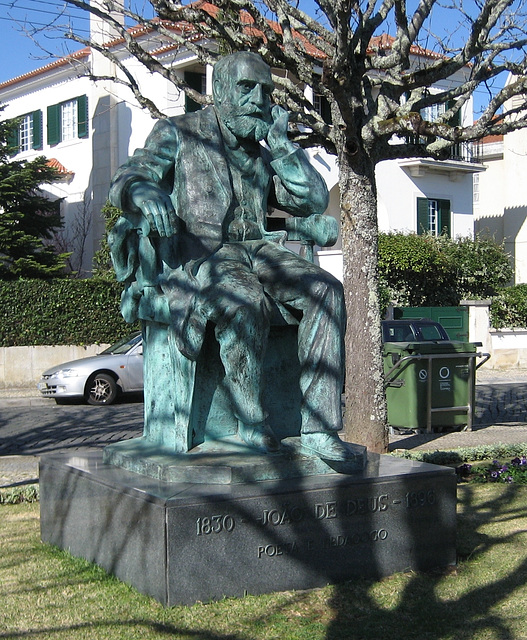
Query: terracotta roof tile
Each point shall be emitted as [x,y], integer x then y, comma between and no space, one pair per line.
[61,62]
[55,164]
[383,41]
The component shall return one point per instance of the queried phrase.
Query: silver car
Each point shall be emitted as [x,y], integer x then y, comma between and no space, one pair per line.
[98,379]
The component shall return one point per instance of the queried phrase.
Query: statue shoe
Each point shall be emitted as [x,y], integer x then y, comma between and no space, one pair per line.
[327,446]
[259,436]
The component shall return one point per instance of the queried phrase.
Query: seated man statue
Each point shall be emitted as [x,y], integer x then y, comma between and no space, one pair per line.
[193,247]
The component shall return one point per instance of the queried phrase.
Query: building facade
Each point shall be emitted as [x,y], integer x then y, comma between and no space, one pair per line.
[500,196]
[87,129]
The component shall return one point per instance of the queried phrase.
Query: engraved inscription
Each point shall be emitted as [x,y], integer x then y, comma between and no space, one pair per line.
[288,514]
[277,517]
[273,550]
[352,507]
[416,499]
[214,524]
[331,542]
[362,506]
[364,537]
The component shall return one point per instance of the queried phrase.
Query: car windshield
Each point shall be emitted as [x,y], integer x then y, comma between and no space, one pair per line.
[431,332]
[124,345]
[398,332]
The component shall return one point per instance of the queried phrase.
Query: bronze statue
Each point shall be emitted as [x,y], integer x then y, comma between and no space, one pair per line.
[192,248]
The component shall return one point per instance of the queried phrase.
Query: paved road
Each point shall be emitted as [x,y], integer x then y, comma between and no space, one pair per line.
[45,426]
[31,427]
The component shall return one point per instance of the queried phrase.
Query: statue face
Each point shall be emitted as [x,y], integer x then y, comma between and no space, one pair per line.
[245,103]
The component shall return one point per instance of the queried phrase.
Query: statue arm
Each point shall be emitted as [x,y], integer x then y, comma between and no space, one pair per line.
[298,187]
[142,185]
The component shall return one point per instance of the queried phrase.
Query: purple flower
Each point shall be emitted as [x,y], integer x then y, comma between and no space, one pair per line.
[509,479]
[496,463]
[516,462]
[494,475]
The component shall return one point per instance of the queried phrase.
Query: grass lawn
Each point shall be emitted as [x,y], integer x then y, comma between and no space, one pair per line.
[44,593]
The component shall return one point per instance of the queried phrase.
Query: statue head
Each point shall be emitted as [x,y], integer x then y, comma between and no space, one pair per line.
[242,87]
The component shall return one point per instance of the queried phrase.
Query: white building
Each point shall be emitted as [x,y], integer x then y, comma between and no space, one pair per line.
[500,196]
[88,129]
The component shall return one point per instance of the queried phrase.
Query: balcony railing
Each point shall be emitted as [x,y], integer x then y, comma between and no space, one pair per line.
[462,151]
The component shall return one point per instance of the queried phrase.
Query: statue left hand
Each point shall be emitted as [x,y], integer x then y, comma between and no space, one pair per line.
[277,139]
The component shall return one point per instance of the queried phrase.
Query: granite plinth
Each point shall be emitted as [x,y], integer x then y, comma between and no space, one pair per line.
[188,542]
[227,461]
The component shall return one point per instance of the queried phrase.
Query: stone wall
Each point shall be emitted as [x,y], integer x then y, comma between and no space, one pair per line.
[22,367]
[508,347]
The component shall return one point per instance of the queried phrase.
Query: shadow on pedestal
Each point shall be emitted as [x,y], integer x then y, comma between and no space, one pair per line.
[182,542]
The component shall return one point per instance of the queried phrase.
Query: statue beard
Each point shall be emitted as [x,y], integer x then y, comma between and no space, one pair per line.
[245,122]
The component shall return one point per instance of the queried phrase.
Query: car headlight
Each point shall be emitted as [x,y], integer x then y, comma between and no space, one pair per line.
[67,373]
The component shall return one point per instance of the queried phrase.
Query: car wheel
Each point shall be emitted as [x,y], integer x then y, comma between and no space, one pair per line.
[101,389]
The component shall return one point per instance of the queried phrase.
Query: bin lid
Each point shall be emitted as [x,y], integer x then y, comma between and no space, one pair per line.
[430,347]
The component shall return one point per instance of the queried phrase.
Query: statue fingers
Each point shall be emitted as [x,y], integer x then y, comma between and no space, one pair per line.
[159,217]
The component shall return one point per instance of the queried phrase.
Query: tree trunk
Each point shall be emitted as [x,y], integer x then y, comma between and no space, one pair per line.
[365,416]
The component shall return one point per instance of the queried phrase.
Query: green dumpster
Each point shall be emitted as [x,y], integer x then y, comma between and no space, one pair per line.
[430,385]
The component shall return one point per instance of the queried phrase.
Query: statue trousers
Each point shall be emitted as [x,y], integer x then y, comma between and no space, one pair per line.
[237,285]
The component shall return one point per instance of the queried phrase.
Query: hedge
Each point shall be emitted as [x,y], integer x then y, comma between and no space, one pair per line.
[509,308]
[60,311]
[429,271]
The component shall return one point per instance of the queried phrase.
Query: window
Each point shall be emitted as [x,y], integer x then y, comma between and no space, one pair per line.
[25,133]
[432,114]
[433,216]
[28,135]
[322,107]
[435,111]
[476,188]
[68,120]
[198,82]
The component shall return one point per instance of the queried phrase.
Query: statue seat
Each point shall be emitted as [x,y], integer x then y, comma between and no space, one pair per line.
[192,398]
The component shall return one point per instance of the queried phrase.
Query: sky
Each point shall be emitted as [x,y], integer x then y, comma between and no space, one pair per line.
[20,53]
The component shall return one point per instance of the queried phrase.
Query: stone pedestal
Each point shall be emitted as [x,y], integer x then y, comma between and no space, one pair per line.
[187,542]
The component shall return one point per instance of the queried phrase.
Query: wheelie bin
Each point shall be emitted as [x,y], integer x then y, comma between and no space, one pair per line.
[430,385]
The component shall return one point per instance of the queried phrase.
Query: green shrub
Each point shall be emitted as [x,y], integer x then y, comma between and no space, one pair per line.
[415,271]
[509,308]
[465,454]
[481,265]
[16,495]
[54,312]
[102,262]
[428,271]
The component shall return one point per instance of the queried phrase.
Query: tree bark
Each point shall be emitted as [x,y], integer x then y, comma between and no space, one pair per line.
[365,415]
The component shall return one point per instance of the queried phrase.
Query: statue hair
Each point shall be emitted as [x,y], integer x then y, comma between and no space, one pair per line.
[221,72]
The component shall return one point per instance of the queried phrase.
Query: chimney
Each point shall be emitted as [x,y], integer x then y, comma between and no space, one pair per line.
[100,30]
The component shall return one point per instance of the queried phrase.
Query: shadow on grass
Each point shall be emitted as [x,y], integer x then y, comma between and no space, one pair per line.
[484,597]
[479,599]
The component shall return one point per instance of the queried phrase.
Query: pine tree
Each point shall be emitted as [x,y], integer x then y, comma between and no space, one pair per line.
[27,218]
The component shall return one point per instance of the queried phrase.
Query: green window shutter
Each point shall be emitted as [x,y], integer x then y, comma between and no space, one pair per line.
[194,81]
[13,141]
[53,119]
[456,120]
[445,225]
[422,216]
[82,116]
[13,137]
[37,129]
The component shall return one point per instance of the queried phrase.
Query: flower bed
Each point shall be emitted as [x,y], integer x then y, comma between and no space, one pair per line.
[513,472]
